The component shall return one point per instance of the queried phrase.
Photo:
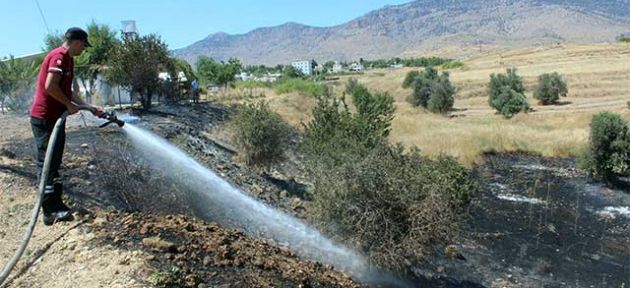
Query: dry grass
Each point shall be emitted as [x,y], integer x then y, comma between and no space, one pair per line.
[598,78]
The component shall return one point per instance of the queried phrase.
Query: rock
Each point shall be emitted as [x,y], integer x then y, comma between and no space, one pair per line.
[91,167]
[284,194]
[440,269]
[85,145]
[202,285]
[158,244]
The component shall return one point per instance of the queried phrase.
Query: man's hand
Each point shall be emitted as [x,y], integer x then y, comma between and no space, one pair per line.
[97,110]
[72,109]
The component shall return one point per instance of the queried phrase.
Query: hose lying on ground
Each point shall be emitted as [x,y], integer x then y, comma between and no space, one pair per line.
[42,183]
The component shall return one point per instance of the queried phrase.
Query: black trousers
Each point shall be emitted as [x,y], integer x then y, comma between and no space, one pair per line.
[42,130]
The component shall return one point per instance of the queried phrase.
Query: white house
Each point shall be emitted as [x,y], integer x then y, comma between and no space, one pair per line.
[337,67]
[305,66]
[356,67]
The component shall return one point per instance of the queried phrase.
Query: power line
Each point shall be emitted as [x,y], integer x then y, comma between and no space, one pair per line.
[42,14]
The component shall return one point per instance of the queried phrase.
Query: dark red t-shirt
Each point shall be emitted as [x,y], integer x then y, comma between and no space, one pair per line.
[44,105]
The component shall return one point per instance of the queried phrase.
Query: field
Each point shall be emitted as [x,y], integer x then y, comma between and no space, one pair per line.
[598,78]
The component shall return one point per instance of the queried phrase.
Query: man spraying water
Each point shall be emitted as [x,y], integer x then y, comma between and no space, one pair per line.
[53,96]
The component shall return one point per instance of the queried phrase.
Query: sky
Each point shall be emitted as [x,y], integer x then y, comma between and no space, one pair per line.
[179,23]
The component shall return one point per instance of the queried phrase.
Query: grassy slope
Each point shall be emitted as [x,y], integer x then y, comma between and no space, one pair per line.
[598,77]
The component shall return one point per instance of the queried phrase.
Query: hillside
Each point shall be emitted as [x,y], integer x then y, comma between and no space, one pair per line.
[425,26]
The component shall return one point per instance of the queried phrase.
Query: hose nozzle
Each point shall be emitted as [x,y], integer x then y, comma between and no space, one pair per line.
[111,118]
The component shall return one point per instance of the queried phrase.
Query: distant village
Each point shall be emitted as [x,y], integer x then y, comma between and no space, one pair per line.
[311,68]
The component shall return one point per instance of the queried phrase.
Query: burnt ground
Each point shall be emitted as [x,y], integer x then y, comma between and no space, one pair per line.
[540,222]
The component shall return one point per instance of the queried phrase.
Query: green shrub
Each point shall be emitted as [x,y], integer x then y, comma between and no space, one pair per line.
[391,204]
[334,133]
[430,90]
[510,79]
[624,39]
[302,86]
[421,83]
[376,109]
[550,88]
[410,78]
[509,102]
[442,95]
[507,93]
[453,65]
[260,134]
[608,154]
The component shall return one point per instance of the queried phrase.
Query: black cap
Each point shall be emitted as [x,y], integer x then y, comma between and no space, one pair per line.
[76,33]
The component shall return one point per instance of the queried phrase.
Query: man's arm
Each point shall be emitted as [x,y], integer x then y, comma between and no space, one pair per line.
[53,89]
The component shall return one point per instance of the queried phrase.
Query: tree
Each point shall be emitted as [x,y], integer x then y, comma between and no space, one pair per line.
[228,71]
[93,60]
[218,73]
[52,41]
[136,63]
[208,70]
[442,95]
[430,90]
[17,78]
[507,93]
[509,102]
[421,83]
[289,71]
[608,154]
[550,88]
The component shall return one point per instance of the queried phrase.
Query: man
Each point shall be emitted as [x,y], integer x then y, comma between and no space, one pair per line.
[195,90]
[53,96]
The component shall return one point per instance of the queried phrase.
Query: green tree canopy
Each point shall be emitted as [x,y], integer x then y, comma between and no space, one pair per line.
[136,63]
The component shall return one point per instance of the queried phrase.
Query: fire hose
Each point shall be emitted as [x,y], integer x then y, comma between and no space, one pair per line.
[111,118]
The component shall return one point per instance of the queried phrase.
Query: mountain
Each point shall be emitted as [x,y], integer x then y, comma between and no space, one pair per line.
[425,26]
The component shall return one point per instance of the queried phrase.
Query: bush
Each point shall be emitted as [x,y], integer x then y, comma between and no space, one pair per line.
[550,88]
[507,93]
[421,85]
[391,204]
[453,65]
[376,109]
[510,79]
[335,134]
[442,95]
[260,134]
[430,90]
[302,86]
[509,102]
[608,154]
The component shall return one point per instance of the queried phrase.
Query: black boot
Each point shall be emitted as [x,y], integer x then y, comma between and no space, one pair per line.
[58,191]
[54,208]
